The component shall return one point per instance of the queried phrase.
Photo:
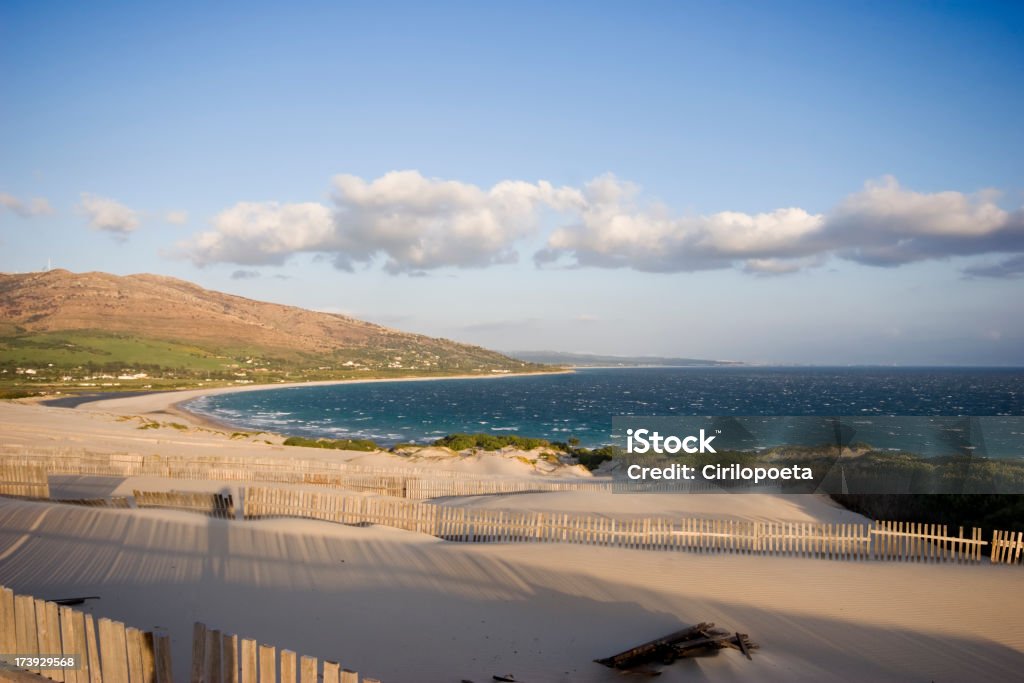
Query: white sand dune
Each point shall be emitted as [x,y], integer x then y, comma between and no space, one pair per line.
[94,427]
[746,506]
[409,608]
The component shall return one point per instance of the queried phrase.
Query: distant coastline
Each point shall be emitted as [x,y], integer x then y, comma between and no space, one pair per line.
[592,360]
[172,402]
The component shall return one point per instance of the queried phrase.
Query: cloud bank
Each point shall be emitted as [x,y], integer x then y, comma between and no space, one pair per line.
[413,224]
[37,206]
[884,224]
[108,215]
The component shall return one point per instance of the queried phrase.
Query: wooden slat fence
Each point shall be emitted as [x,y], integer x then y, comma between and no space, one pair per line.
[1007,547]
[288,461]
[402,482]
[25,475]
[881,541]
[24,480]
[219,657]
[115,502]
[108,651]
[212,504]
[422,488]
[915,542]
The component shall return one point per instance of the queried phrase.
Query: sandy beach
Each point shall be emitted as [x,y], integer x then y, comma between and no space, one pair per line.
[164,403]
[410,608]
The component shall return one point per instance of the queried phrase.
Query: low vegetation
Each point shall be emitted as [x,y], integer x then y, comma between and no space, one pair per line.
[10,393]
[591,458]
[364,445]
[490,442]
[93,361]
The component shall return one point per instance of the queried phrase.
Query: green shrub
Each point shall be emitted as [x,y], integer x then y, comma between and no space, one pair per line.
[592,459]
[490,442]
[16,393]
[364,445]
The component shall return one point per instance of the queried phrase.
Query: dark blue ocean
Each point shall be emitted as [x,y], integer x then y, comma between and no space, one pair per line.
[582,404]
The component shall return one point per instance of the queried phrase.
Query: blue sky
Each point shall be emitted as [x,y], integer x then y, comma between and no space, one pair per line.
[775,182]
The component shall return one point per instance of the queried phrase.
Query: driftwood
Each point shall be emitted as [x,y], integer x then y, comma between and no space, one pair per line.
[695,641]
[74,601]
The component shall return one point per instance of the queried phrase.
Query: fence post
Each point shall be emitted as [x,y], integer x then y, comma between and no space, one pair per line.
[248,660]
[8,621]
[198,674]
[95,670]
[214,642]
[332,672]
[308,670]
[287,666]
[133,638]
[162,656]
[69,640]
[113,651]
[268,664]
[229,657]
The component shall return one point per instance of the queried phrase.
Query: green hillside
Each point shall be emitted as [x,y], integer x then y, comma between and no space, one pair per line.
[63,331]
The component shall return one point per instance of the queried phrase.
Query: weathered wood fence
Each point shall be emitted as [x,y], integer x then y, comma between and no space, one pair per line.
[24,480]
[114,502]
[400,482]
[212,504]
[907,541]
[25,477]
[879,541]
[112,652]
[224,658]
[1007,546]
[421,488]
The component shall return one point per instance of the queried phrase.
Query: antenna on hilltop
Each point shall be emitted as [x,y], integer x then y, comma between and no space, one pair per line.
[49,264]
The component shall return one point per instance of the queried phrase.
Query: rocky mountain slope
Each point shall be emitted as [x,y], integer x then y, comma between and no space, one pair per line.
[66,318]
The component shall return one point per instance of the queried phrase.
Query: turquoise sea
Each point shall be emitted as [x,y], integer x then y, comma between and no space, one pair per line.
[582,404]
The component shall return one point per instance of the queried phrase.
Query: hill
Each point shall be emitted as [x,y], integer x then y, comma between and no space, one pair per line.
[79,324]
[591,360]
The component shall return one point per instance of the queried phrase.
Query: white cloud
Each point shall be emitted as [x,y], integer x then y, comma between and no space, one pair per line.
[109,215]
[37,206]
[421,223]
[615,231]
[413,222]
[772,266]
[255,233]
[177,217]
[883,224]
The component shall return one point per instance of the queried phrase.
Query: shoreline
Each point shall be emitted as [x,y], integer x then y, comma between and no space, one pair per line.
[172,402]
